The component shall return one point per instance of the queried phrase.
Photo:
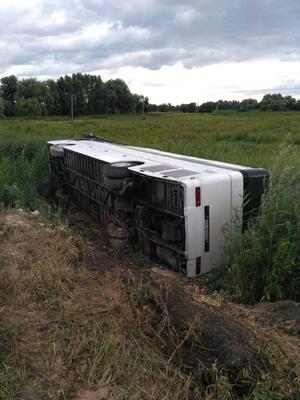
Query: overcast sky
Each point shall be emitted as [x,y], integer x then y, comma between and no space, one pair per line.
[170,50]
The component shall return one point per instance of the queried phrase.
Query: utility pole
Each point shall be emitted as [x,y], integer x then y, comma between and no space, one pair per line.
[72,101]
[72,106]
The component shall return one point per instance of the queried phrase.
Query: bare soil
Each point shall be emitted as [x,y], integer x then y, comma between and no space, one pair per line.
[92,288]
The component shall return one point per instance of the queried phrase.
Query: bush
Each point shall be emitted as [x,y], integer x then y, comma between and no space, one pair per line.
[264,262]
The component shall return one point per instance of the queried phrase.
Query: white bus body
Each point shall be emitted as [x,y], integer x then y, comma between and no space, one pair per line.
[176,207]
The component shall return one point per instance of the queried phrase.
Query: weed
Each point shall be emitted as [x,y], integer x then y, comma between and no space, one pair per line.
[95,356]
[11,370]
[47,281]
[11,382]
[262,394]
[140,296]
[52,216]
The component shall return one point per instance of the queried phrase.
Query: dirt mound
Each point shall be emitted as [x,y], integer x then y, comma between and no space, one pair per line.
[220,337]
[282,315]
[211,330]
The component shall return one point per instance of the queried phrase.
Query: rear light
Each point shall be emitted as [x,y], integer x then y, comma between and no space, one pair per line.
[198,196]
[198,265]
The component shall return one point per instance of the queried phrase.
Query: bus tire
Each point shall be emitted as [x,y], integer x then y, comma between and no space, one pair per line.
[118,170]
[116,232]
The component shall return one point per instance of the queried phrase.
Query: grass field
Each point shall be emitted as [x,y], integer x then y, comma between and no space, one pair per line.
[248,138]
[266,139]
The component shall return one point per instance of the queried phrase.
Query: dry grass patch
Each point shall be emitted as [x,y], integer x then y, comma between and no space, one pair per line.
[118,332]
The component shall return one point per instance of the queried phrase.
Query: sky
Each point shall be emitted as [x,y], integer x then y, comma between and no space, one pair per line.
[169,50]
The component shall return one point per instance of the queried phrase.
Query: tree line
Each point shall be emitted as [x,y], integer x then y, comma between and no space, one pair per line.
[270,102]
[85,94]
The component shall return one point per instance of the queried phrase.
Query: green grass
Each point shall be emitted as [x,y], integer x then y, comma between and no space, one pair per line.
[247,138]
[235,137]
[265,260]
[253,138]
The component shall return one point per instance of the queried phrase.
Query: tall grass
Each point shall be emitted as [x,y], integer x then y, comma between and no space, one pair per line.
[264,262]
[23,164]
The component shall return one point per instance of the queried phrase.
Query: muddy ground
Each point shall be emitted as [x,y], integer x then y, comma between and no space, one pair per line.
[80,321]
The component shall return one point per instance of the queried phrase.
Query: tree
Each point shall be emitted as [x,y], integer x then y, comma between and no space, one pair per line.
[190,108]
[207,107]
[164,107]
[272,102]
[28,107]
[223,105]
[153,108]
[95,92]
[297,105]
[118,97]
[248,104]
[289,103]
[31,88]
[1,108]
[8,91]
[52,98]
[141,103]
[79,88]
[64,91]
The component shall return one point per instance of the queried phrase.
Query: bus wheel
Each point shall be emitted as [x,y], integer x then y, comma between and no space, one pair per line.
[117,170]
[117,233]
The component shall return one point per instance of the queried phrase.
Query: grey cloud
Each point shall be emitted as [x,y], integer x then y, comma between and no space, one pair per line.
[140,33]
[289,90]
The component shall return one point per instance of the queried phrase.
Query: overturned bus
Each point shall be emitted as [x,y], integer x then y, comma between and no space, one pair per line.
[173,208]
